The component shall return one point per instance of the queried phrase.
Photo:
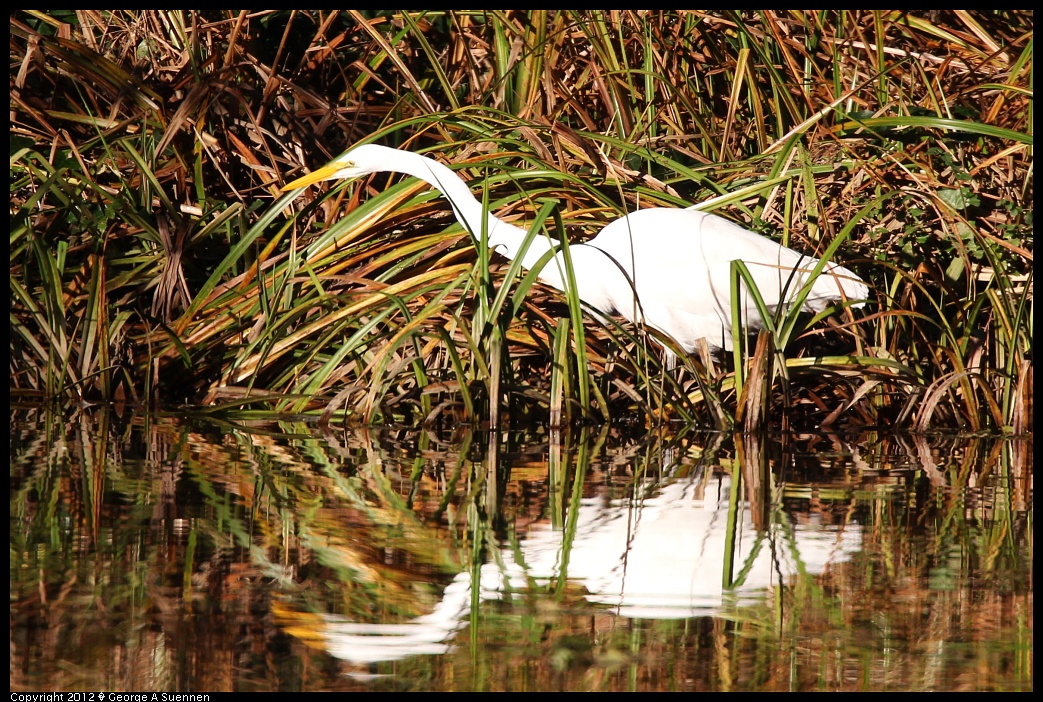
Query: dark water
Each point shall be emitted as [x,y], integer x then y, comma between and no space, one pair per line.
[181,554]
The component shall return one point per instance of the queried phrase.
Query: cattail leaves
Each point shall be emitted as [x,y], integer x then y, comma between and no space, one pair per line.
[895,143]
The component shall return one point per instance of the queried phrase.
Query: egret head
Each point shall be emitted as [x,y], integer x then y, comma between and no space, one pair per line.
[360,161]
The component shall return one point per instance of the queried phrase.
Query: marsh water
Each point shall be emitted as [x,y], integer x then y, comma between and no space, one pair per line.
[159,553]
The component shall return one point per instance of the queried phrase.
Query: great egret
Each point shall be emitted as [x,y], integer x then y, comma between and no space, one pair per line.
[666,268]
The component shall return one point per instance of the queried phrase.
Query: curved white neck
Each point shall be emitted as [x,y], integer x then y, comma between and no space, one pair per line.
[506,239]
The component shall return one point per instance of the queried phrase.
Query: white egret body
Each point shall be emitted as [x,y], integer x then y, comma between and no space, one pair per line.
[666,268]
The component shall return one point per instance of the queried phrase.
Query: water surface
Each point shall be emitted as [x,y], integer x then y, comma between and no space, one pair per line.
[187,554]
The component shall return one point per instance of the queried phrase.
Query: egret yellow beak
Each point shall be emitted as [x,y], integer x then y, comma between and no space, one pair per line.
[324,173]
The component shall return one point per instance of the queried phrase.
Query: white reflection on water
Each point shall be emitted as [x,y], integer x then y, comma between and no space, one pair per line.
[661,557]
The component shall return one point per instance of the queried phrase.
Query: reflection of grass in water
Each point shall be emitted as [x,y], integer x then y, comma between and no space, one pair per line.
[203,536]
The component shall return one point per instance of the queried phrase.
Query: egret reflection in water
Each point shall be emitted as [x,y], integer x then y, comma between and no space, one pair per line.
[658,557]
